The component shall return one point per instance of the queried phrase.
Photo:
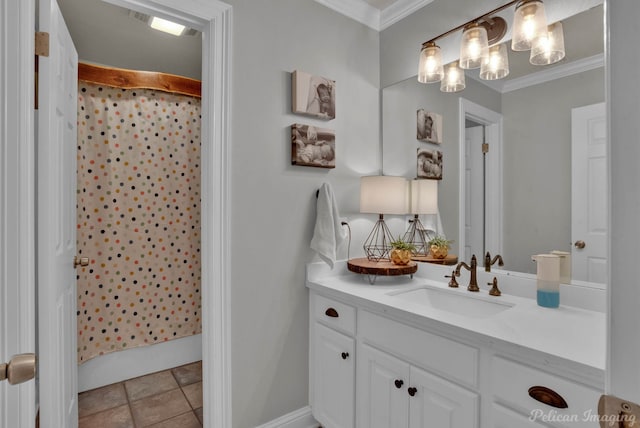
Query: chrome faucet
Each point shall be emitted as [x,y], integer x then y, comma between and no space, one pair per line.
[488,262]
[473,281]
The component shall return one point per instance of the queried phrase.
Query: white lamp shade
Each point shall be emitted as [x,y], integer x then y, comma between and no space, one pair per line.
[474,46]
[424,197]
[384,194]
[548,48]
[496,64]
[529,22]
[430,69]
[453,78]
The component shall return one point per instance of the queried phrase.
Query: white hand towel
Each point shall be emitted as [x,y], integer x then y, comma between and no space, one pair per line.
[328,233]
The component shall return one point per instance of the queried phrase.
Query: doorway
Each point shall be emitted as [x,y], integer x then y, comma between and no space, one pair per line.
[480,197]
[213,19]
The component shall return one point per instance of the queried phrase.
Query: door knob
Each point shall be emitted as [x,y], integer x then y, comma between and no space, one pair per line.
[580,244]
[80,261]
[20,369]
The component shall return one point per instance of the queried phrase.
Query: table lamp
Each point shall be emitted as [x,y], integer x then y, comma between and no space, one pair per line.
[423,200]
[382,194]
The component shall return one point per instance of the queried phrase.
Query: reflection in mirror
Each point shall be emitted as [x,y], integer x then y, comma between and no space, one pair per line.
[531,211]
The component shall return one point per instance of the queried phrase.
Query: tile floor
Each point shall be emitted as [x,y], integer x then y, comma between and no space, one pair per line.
[167,399]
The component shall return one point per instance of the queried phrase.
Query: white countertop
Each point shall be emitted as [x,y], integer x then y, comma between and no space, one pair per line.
[574,334]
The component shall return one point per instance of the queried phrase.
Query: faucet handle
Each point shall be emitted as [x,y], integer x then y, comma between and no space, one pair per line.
[452,283]
[494,289]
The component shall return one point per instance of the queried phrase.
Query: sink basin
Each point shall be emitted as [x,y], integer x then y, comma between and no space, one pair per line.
[454,302]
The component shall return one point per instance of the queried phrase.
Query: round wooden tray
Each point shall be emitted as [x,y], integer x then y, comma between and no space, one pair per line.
[451,259]
[383,267]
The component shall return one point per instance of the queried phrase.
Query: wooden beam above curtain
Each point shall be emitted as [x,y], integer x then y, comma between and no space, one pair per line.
[133,79]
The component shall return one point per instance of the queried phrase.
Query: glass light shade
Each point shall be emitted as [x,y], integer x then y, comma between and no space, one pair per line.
[424,197]
[430,68]
[474,46]
[453,80]
[529,22]
[496,64]
[384,194]
[548,48]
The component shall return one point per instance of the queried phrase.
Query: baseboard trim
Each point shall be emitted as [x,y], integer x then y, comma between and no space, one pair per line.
[300,418]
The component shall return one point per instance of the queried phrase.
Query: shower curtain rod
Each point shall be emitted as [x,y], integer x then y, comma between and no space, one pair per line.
[133,79]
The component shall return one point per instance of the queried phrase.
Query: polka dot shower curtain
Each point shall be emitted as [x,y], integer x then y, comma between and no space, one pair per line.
[138,218]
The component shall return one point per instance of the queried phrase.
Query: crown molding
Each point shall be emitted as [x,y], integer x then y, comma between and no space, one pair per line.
[557,72]
[363,12]
[543,76]
[399,10]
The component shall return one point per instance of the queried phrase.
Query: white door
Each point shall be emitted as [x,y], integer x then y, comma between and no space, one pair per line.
[474,206]
[438,403]
[56,201]
[334,378]
[383,381]
[589,193]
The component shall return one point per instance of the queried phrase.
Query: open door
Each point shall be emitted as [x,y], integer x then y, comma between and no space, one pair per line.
[55,211]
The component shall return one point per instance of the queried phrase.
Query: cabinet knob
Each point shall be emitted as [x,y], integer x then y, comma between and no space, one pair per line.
[399,383]
[412,391]
[331,313]
[345,355]
[547,396]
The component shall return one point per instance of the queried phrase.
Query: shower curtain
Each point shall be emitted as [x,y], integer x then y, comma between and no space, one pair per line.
[138,207]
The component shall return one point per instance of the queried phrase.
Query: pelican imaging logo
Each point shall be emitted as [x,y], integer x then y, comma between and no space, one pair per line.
[554,416]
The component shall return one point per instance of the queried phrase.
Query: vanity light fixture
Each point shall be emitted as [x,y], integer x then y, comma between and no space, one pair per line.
[423,200]
[474,46]
[382,194]
[496,64]
[479,46]
[549,47]
[430,69]
[454,80]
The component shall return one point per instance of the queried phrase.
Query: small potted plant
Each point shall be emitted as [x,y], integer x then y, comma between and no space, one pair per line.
[439,247]
[401,251]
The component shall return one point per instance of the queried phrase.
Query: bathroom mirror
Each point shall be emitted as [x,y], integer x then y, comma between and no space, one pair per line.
[532,212]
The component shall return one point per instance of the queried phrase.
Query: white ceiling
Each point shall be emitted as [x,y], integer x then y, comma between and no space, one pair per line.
[377,14]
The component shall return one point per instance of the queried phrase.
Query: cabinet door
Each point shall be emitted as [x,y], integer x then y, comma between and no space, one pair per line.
[439,403]
[333,378]
[382,390]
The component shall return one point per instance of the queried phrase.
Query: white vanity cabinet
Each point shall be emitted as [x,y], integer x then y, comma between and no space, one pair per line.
[515,385]
[393,393]
[404,370]
[332,362]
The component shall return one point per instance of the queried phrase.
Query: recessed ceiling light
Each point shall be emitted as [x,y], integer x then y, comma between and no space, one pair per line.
[167,26]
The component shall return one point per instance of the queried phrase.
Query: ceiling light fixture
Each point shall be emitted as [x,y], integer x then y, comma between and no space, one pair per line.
[479,46]
[166,26]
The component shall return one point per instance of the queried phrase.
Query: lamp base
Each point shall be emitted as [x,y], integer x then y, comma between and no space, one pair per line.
[378,243]
[418,236]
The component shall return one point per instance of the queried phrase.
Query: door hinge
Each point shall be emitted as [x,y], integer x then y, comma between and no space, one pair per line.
[42,43]
[485,147]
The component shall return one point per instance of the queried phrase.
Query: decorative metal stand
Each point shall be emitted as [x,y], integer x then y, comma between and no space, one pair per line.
[378,243]
[419,236]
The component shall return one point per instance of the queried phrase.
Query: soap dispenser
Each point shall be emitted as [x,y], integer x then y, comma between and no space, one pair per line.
[548,280]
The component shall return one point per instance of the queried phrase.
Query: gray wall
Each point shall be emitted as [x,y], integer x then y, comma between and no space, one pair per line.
[273,208]
[537,164]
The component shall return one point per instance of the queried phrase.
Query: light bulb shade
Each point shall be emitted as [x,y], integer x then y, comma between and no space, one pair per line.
[384,194]
[529,22]
[496,64]
[424,197]
[430,67]
[474,46]
[453,80]
[548,48]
